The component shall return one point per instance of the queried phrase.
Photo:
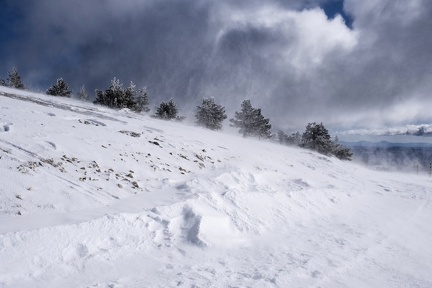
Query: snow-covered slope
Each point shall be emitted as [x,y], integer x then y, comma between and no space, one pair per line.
[93,197]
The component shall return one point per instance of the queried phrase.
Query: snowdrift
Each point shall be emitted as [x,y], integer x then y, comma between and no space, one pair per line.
[93,197]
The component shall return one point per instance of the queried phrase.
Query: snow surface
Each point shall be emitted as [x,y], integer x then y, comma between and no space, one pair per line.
[93,197]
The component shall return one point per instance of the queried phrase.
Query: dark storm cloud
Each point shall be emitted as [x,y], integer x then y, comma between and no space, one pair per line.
[286,56]
[389,72]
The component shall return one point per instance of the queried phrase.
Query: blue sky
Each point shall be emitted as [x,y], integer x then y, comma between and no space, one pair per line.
[349,64]
[8,18]
[333,8]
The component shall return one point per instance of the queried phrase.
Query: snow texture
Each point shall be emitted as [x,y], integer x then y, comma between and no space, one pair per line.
[94,197]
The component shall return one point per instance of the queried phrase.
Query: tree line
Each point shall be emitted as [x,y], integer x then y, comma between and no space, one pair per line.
[248,120]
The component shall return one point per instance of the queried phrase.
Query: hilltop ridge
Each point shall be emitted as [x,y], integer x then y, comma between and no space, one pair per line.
[94,197]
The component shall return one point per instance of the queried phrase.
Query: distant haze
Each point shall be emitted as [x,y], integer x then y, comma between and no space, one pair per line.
[288,57]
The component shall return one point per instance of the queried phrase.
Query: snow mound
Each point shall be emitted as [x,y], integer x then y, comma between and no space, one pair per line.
[197,223]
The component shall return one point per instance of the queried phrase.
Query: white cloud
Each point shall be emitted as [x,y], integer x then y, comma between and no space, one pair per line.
[374,12]
[305,37]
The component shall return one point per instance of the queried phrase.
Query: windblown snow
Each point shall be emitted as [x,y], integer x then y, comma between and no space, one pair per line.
[93,197]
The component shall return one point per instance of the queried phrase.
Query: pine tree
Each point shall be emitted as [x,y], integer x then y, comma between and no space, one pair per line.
[316,137]
[250,121]
[100,98]
[128,100]
[2,82]
[142,101]
[244,119]
[114,95]
[168,111]
[82,94]
[14,79]
[341,152]
[282,137]
[294,139]
[210,115]
[61,88]
[261,125]
[118,97]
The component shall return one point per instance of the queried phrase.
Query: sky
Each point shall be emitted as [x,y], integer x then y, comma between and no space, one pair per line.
[347,63]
